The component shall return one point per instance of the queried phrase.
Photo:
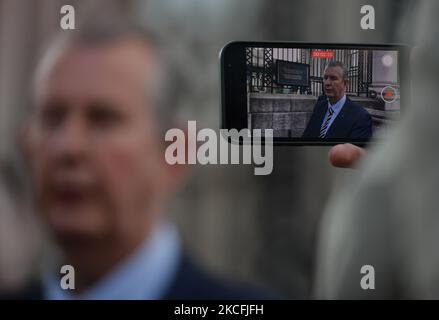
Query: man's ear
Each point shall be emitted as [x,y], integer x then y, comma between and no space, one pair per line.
[24,139]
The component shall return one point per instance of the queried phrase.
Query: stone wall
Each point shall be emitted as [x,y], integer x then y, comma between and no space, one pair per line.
[288,114]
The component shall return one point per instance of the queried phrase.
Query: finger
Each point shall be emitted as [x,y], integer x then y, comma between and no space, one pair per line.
[345,155]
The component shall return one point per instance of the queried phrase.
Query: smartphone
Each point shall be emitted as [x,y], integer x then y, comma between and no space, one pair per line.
[314,93]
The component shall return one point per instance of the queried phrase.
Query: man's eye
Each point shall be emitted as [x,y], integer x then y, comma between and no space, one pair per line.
[104,117]
[52,116]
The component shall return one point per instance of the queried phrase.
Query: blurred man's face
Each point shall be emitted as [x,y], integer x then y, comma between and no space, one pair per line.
[334,84]
[95,155]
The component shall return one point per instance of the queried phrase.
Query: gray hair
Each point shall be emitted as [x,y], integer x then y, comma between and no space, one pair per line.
[159,86]
[340,64]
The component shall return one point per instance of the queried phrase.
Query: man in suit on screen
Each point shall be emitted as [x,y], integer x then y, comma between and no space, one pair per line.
[337,117]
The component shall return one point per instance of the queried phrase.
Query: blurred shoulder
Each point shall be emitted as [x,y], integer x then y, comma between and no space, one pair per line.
[193,282]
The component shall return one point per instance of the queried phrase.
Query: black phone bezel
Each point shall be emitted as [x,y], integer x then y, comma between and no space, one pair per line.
[234,93]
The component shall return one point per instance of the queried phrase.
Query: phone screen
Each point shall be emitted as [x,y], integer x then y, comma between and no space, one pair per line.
[313,93]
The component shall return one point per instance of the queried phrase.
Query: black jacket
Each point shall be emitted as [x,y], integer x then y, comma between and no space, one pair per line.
[353,122]
[190,282]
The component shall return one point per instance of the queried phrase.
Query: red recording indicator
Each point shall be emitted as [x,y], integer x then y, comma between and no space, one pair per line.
[326,54]
[389,94]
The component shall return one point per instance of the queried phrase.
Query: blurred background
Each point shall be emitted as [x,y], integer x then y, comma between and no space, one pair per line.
[258,229]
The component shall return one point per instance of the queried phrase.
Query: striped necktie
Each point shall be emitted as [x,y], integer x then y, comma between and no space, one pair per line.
[324,128]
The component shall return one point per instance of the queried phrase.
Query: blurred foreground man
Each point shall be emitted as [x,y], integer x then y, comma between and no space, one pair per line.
[95,146]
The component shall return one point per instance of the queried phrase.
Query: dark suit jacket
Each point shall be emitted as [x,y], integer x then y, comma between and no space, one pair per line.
[191,282]
[353,122]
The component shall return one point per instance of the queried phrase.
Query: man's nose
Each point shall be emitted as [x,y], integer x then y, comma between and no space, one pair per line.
[69,141]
